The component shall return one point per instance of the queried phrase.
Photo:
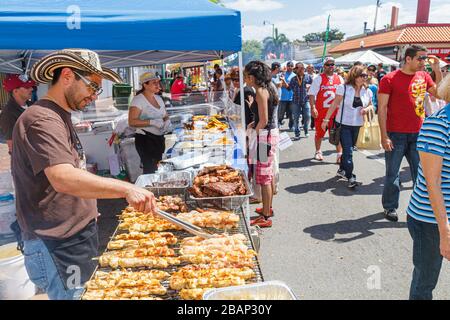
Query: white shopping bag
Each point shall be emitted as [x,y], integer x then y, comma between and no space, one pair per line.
[285,141]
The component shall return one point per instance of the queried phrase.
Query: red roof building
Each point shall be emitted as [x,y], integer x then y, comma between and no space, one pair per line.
[436,37]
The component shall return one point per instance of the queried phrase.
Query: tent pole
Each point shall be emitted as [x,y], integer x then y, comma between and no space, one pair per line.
[241,90]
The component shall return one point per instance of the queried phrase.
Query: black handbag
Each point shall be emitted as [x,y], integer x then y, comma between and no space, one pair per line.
[335,131]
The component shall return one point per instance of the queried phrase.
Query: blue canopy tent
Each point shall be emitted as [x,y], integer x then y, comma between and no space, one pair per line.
[124,33]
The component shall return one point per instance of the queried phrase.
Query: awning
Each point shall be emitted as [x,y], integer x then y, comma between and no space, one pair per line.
[366,57]
[124,33]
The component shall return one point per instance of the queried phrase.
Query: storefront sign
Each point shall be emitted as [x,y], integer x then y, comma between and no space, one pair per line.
[442,53]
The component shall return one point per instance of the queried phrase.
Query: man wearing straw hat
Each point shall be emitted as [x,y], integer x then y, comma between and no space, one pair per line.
[56,206]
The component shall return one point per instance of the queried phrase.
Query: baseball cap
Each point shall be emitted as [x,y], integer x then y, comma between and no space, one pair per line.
[147,76]
[290,64]
[15,81]
[275,65]
[328,59]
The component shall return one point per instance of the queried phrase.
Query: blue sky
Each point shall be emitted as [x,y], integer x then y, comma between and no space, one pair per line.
[296,18]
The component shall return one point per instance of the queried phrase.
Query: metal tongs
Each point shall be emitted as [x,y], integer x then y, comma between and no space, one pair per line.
[185,225]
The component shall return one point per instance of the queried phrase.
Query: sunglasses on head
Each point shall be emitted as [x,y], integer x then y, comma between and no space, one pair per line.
[329,65]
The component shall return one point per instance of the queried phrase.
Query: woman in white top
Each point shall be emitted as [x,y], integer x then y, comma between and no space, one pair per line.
[354,101]
[148,115]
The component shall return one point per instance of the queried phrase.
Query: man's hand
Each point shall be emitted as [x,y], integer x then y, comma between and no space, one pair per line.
[387,144]
[251,125]
[434,63]
[445,245]
[324,125]
[141,199]
[314,112]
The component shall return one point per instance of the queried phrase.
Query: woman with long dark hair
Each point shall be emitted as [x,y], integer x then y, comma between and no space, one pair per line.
[258,75]
[353,99]
[147,113]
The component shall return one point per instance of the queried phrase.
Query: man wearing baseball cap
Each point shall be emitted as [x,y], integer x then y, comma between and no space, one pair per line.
[20,92]
[55,196]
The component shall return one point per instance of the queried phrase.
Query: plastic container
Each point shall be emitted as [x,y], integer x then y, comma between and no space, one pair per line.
[14,281]
[130,158]
[7,213]
[270,290]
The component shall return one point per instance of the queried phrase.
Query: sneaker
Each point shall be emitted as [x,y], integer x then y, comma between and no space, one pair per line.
[261,222]
[352,182]
[260,211]
[391,215]
[296,138]
[306,135]
[341,173]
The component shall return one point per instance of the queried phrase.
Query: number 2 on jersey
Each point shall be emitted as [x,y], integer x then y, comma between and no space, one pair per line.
[329,98]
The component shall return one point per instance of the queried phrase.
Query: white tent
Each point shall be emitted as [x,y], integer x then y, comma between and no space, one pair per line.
[366,57]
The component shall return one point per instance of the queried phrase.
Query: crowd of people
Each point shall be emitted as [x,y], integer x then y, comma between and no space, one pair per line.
[412,105]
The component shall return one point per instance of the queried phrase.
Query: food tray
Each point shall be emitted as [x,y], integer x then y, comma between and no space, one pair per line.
[146,180]
[271,290]
[173,294]
[225,203]
[189,159]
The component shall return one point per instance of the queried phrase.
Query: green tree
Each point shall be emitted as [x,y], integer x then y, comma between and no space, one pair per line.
[277,44]
[251,50]
[335,34]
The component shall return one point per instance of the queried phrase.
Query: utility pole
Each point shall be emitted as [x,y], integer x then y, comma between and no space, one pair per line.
[376,15]
[265,22]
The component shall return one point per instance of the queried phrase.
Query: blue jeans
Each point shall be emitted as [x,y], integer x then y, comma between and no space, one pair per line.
[404,146]
[43,273]
[349,135]
[305,111]
[285,107]
[427,258]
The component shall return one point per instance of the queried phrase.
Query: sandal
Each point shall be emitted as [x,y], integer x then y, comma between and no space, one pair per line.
[318,156]
[254,201]
[260,212]
[261,222]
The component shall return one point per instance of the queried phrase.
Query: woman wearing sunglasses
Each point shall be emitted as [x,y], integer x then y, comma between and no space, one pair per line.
[353,101]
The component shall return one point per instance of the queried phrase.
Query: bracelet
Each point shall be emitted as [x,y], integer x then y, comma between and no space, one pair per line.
[326,120]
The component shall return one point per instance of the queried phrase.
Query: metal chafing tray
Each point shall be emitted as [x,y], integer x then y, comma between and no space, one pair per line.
[151,181]
[226,203]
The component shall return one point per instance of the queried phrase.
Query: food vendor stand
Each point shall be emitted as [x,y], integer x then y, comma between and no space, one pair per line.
[129,34]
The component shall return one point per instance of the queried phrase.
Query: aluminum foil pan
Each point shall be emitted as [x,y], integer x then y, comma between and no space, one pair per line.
[270,290]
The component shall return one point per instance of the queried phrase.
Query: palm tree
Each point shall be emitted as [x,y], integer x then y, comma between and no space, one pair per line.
[277,44]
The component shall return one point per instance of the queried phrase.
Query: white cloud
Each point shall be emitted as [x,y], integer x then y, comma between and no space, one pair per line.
[254,5]
[348,20]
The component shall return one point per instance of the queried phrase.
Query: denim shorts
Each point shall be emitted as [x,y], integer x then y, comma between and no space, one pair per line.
[43,273]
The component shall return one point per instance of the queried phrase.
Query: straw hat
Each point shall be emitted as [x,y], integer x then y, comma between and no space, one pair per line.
[147,76]
[80,59]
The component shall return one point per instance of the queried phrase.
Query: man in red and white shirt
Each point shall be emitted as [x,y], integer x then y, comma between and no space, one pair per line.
[321,96]
[401,112]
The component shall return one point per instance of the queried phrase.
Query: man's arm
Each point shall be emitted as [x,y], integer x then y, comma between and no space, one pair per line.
[65,178]
[383,100]
[432,167]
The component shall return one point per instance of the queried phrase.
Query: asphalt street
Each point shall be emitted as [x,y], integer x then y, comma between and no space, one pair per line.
[329,242]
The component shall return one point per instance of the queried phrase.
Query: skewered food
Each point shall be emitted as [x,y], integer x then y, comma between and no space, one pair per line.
[222,239]
[218,181]
[230,258]
[151,235]
[150,262]
[172,204]
[211,219]
[145,291]
[193,294]
[142,243]
[147,224]
[204,276]
[142,252]
[126,279]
